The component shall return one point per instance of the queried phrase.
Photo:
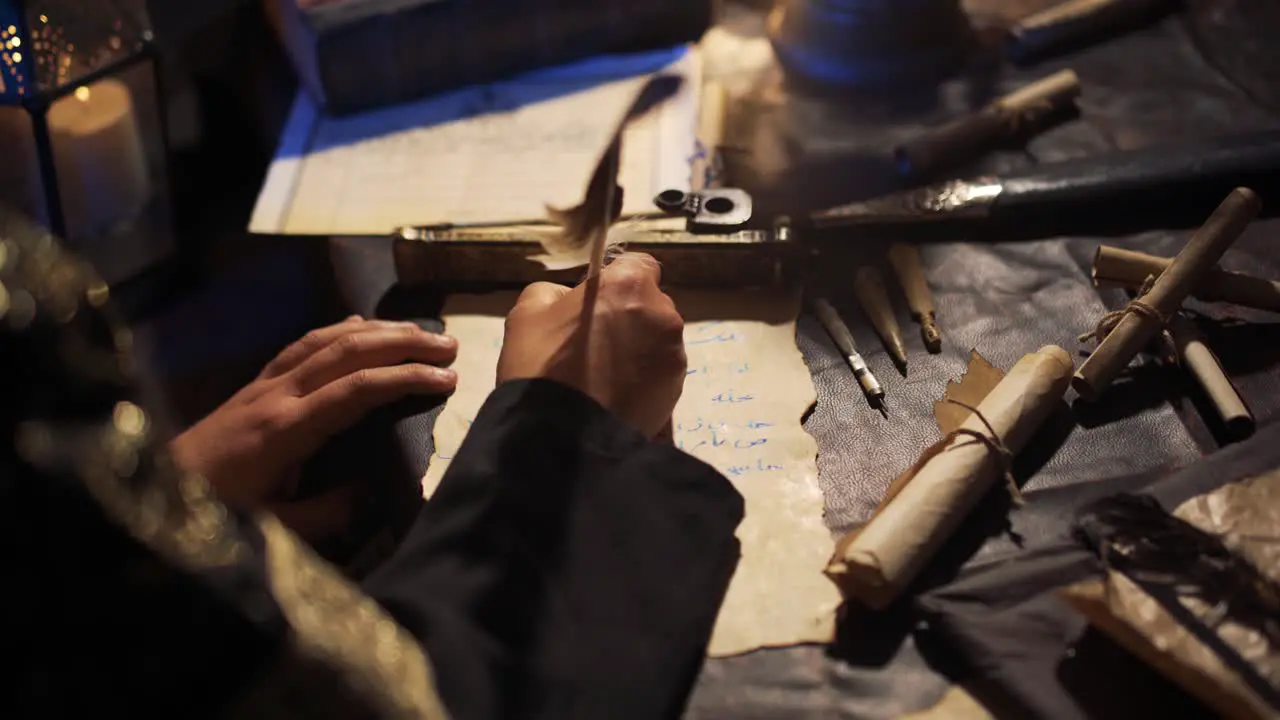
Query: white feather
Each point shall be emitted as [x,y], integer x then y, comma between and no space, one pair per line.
[582,229]
[615,244]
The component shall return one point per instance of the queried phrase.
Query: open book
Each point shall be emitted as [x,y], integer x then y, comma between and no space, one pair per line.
[495,153]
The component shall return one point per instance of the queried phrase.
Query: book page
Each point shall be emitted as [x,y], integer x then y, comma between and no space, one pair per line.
[495,153]
[746,391]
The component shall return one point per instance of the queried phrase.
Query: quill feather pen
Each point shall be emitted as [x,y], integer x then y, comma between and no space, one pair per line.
[583,236]
[584,230]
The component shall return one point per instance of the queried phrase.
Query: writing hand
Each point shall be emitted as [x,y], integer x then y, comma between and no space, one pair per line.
[251,448]
[632,361]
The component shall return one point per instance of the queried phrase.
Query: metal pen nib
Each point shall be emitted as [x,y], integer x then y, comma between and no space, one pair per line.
[839,333]
[870,386]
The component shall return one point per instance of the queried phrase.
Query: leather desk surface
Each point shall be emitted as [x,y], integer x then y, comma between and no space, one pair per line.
[796,151]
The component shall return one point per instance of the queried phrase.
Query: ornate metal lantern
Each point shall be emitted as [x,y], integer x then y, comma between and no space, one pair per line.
[82,134]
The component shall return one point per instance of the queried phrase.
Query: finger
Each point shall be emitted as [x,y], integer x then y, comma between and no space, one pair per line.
[317,340]
[307,345]
[340,404]
[635,268]
[321,517]
[378,348]
[541,295]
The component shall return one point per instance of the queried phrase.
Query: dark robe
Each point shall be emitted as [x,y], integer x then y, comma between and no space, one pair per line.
[566,567]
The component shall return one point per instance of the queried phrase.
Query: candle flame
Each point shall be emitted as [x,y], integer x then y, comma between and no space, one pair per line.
[83,94]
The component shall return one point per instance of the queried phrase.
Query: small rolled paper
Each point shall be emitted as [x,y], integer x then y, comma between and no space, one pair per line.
[1130,269]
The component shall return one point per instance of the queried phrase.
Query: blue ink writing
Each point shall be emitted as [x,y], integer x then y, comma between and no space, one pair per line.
[721,338]
[759,466]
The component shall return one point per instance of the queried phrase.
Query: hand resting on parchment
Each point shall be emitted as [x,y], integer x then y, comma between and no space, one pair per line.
[252,447]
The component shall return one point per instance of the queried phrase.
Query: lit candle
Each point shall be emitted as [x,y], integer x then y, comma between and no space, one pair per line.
[101,163]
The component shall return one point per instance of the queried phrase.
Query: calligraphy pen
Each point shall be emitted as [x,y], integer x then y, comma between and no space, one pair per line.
[840,335]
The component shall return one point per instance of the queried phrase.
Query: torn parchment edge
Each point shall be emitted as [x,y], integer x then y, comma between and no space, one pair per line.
[977,381]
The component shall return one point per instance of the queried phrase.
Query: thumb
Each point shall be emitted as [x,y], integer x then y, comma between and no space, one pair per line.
[541,294]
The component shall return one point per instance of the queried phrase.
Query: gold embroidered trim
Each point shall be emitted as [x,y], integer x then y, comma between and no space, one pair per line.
[336,623]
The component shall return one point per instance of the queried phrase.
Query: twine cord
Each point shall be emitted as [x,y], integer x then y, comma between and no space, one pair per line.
[994,444]
[1108,323]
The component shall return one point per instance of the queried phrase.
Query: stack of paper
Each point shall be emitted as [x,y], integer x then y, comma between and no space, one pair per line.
[498,153]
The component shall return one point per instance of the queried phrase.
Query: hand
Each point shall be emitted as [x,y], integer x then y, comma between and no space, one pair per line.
[632,359]
[251,448]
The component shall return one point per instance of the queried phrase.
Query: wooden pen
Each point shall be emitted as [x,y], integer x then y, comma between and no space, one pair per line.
[870,290]
[906,263]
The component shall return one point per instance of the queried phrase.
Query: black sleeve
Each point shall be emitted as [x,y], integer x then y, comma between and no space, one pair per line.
[566,567]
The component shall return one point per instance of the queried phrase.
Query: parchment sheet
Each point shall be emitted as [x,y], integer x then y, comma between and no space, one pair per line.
[746,392]
[1245,516]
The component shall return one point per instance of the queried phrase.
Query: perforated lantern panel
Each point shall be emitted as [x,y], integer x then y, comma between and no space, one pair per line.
[50,44]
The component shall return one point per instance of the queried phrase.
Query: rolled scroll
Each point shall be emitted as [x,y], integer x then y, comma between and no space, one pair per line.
[1016,115]
[1074,24]
[1203,365]
[1130,269]
[875,563]
[1136,325]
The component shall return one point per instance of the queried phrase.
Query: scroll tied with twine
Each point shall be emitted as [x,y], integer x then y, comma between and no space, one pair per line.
[985,419]
[1137,306]
[1126,332]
